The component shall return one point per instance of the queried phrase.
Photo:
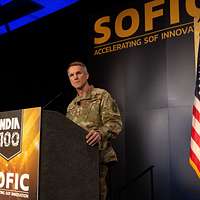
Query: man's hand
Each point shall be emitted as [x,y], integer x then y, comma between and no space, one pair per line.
[93,137]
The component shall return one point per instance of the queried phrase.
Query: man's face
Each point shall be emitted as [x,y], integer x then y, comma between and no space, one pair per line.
[77,76]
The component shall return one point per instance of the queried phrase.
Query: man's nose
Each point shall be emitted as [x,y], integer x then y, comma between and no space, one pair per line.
[75,76]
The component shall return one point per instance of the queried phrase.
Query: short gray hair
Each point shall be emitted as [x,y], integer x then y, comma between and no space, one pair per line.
[75,63]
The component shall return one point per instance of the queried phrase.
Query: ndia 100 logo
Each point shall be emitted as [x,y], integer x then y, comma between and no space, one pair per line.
[10,134]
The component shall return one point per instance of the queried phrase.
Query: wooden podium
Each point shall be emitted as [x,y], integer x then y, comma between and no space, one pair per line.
[69,168]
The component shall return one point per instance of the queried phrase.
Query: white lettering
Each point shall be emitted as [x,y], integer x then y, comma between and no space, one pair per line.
[9,179]
[14,180]
[9,123]
[2,179]
[22,179]
[9,139]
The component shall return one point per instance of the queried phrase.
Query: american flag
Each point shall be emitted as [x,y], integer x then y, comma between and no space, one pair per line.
[195,135]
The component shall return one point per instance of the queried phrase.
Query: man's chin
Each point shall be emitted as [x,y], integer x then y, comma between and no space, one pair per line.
[78,87]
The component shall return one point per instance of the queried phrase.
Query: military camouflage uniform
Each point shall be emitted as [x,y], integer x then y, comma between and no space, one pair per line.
[98,111]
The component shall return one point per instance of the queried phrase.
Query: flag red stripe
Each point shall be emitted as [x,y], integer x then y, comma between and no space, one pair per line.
[194,158]
[195,136]
[196,113]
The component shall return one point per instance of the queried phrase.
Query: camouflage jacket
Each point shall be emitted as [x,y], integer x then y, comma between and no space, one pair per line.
[97,110]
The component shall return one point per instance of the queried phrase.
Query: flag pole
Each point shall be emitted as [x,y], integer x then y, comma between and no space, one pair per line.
[194,157]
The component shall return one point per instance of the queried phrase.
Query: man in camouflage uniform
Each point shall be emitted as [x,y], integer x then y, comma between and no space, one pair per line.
[95,111]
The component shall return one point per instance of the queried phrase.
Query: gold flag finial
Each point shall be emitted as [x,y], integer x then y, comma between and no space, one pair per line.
[196,37]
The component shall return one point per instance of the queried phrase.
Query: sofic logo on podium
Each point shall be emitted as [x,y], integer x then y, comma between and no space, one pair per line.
[10,134]
[15,14]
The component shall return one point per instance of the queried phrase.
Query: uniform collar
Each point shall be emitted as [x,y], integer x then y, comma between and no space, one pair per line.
[86,96]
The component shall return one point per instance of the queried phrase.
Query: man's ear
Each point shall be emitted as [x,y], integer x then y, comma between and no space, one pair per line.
[88,76]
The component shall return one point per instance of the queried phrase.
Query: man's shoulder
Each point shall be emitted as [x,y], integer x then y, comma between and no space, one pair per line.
[99,91]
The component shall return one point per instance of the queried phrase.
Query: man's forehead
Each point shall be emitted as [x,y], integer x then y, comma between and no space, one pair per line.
[74,68]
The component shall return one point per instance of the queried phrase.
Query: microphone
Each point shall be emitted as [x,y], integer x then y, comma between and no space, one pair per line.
[52,100]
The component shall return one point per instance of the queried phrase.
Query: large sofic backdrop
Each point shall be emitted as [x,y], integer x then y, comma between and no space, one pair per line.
[153,82]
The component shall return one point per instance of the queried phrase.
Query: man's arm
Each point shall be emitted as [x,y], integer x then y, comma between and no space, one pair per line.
[111,121]
[111,118]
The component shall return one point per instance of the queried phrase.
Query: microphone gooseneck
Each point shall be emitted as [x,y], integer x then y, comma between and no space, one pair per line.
[52,100]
